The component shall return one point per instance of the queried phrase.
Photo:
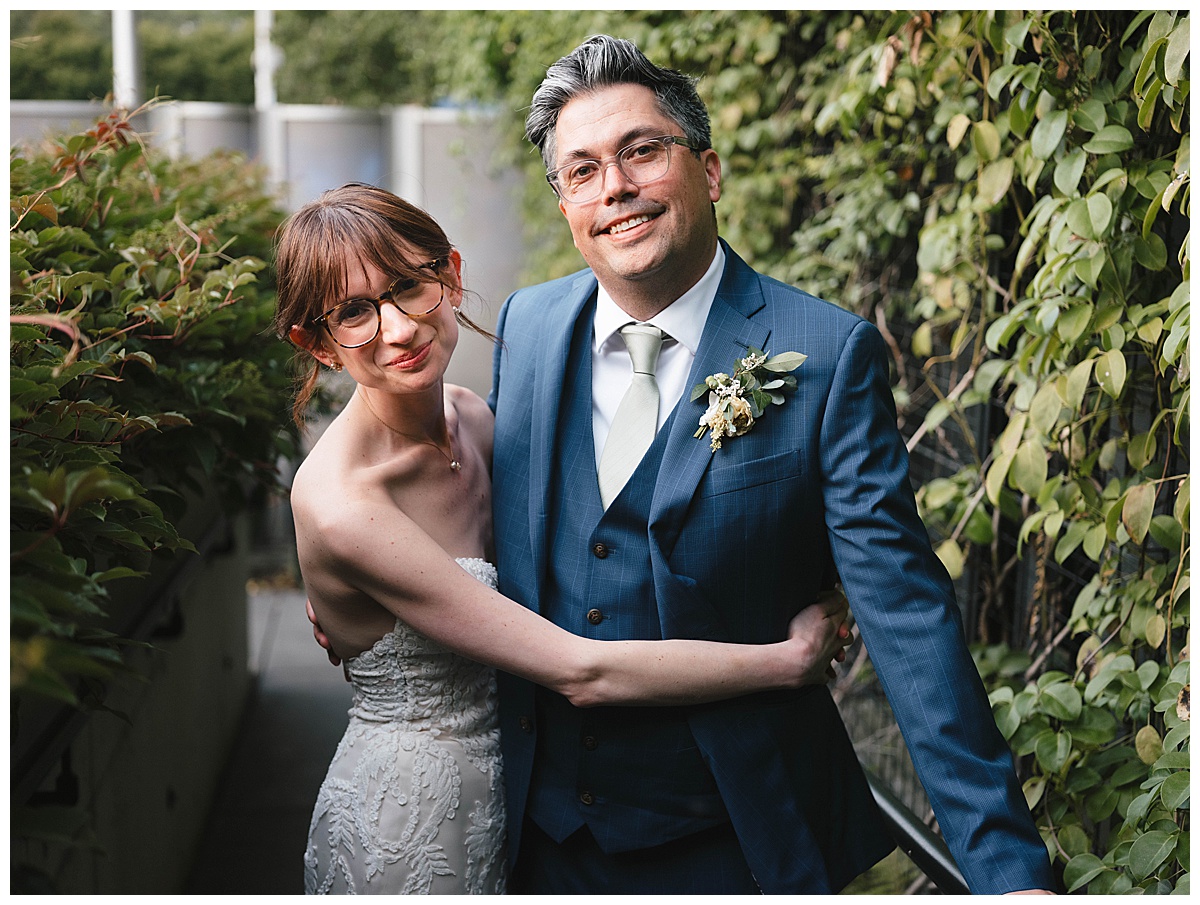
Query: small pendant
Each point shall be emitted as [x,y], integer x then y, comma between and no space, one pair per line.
[455,465]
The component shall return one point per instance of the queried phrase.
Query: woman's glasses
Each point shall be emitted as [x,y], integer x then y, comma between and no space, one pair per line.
[355,322]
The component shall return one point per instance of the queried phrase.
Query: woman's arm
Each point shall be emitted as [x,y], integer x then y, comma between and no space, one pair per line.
[418,582]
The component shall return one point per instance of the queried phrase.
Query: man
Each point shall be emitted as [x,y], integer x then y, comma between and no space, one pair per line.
[762,793]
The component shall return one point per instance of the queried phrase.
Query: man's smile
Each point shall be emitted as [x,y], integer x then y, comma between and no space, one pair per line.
[630,223]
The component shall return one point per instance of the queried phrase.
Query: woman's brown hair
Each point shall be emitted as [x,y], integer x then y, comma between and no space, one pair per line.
[357,225]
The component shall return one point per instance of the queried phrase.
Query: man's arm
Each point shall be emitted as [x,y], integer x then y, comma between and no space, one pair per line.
[905,608]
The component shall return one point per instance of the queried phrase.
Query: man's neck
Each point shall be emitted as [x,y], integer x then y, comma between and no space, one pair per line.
[643,299]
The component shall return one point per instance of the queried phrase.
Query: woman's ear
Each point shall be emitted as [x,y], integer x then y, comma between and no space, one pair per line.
[304,339]
[456,266]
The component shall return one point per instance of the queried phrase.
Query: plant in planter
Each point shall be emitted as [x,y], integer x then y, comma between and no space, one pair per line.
[142,375]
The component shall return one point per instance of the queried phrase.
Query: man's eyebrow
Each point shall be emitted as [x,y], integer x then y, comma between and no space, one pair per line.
[626,139]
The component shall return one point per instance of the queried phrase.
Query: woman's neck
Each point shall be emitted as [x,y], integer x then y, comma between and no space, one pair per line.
[419,417]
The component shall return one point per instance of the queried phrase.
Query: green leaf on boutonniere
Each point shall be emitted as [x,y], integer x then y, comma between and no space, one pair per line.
[784,362]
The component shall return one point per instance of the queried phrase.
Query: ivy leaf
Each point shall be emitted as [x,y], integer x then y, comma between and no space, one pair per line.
[1081,870]
[1178,47]
[1029,468]
[1045,408]
[957,128]
[1094,542]
[952,558]
[1150,251]
[1149,850]
[1048,134]
[1149,744]
[995,180]
[986,140]
[1052,750]
[1156,631]
[1110,372]
[1069,170]
[1062,701]
[1090,115]
[1077,383]
[1176,790]
[1138,509]
[1069,542]
[1110,140]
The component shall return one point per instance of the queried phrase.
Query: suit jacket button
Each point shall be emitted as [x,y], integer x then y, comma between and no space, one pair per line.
[589,742]
[587,797]
[525,723]
[595,617]
[601,551]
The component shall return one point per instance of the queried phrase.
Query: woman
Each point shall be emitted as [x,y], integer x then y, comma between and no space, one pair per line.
[393,528]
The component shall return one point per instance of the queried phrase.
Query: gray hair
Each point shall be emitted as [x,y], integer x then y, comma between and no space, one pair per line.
[603,61]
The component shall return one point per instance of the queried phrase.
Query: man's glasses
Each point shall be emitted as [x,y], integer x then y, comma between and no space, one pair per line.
[640,163]
[355,322]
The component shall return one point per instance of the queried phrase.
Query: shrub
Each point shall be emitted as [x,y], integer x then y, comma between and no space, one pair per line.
[141,373]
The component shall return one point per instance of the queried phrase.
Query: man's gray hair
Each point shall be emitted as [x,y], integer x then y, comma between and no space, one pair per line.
[601,62]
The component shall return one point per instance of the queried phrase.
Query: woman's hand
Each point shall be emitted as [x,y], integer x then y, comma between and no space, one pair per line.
[323,639]
[820,634]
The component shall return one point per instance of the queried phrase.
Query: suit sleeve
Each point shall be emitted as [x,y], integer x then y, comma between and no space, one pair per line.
[497,352]
[904,605]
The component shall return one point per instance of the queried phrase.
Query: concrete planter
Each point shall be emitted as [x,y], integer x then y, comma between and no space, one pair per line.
[134,790]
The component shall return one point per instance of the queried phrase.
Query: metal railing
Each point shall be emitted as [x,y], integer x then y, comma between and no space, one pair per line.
[924,848]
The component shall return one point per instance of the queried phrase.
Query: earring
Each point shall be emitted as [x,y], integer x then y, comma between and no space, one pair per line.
[454,308]
[336,366]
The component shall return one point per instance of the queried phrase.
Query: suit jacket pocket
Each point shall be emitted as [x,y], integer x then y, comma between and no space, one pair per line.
[736,475]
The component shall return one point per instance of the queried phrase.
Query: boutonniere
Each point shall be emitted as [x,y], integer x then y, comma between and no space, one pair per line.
[736,402]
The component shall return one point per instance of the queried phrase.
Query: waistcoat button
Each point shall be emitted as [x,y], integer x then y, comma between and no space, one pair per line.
[601,551]
[595,617]
[587,798]
[590,742]
[525,723]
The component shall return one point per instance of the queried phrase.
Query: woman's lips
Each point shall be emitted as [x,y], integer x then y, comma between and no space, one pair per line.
[406,362]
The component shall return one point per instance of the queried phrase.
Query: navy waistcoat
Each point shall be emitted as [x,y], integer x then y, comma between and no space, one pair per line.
[633,775]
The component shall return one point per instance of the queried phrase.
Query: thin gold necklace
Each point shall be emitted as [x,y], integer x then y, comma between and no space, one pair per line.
[455,465]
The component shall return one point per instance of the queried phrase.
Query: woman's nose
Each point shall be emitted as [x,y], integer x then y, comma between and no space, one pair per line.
[394,325]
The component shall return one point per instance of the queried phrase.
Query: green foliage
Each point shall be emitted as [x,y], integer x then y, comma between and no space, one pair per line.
[140,372]
[361,58]
[58,54]
[1052,268]
[193,55]
[198,55]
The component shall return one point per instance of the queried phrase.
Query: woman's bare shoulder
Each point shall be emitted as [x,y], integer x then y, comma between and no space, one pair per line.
[473,415]
[467,402]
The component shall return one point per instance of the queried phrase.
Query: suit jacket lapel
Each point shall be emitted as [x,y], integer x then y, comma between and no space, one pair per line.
[549,377]
[728,333]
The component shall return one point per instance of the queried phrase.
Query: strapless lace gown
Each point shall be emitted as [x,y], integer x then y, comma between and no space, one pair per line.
[413,802]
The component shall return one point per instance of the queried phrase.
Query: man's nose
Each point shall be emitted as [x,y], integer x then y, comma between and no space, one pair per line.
[616,185]
[394,325]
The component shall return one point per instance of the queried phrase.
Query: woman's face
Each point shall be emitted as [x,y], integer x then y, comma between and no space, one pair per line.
[411,352]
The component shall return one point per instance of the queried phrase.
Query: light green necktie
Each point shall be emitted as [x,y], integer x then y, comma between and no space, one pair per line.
[636,420]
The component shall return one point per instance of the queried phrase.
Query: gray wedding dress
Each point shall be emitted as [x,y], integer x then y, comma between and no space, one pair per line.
[413,802]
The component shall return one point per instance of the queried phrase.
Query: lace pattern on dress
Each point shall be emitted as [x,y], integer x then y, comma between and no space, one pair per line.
[414,794]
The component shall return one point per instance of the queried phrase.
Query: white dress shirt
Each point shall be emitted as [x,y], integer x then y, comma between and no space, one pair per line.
[682,321]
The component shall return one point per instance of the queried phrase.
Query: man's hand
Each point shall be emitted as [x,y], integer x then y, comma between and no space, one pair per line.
[323,639]
[821,635]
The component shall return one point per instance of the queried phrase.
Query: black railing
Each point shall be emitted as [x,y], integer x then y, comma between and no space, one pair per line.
[925,848]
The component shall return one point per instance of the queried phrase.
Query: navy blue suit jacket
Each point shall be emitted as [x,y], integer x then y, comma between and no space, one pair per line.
[739,537]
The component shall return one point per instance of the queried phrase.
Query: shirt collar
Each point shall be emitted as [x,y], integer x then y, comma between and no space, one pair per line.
[682,320]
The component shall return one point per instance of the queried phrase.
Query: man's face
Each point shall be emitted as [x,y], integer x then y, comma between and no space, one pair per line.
[641,240]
